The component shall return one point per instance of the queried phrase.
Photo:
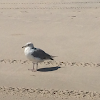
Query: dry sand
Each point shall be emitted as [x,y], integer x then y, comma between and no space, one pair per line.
[67,29]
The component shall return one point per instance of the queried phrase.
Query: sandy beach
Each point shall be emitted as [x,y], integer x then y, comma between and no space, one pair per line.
[66,29]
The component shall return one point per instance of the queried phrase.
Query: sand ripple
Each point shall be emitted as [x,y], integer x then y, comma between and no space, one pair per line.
[49,5]
[57,63]
[49,93]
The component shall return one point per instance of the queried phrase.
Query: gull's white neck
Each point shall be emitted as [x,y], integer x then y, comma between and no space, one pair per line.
[27,50]
[28,53]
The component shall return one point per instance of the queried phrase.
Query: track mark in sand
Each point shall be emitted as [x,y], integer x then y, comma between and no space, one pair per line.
[16,34]
[50,5]
[40,3]
[53,8]
[56,63]
[63,94]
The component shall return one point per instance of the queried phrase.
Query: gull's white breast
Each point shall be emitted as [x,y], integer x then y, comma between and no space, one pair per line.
[28,53]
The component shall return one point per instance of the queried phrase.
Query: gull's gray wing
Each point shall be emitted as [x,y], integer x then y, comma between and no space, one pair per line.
[41,54]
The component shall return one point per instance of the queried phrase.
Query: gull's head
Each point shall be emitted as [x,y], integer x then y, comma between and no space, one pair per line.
[29,44]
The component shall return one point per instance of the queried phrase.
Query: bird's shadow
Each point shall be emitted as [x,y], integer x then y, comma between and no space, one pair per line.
[48,69]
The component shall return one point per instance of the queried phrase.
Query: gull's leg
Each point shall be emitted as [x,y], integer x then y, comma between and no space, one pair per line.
[33,68]
[36,66]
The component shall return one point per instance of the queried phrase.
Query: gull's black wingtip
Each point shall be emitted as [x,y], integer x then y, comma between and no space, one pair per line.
[51,59]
